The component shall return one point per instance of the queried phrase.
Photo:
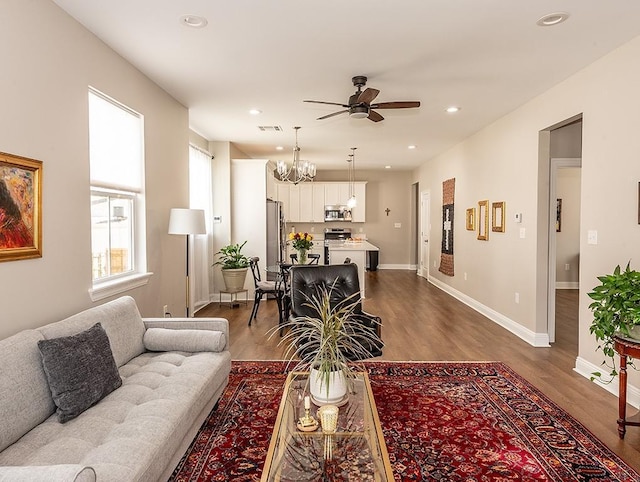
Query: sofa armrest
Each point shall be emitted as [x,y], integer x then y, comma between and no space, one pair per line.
[213,324]
[47,473]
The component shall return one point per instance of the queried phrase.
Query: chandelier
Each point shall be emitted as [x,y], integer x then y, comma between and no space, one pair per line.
[299,171]
[351,202]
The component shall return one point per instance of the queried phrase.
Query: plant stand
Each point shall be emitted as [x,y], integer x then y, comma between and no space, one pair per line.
[233,297]
[625,348]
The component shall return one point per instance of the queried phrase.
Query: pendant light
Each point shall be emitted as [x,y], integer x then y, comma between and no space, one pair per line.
[351,203]
[299,171]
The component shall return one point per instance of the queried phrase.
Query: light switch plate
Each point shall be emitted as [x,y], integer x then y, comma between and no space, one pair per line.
[592,236]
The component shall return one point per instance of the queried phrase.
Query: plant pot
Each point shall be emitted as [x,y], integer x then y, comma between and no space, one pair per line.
[332,393]
[634,332]
[234,278]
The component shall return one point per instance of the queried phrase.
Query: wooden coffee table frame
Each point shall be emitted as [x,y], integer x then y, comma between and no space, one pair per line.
[284,430]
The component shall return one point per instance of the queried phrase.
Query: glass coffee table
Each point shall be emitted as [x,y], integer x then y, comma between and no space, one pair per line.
[356,451]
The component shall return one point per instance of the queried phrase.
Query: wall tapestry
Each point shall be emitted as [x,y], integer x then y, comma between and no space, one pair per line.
[446,256]
[20,208]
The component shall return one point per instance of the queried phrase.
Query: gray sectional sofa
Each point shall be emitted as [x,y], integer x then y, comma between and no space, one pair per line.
[171,377]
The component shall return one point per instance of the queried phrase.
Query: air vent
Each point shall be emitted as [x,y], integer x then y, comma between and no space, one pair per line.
[270,128]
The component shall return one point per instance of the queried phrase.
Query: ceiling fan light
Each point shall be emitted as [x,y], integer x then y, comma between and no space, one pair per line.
[359,111]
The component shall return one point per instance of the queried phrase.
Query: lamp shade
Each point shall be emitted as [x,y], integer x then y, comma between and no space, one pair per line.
[187,221]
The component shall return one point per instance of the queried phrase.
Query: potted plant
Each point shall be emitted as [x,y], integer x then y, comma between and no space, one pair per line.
[234,266]
[325,344]
[616,312]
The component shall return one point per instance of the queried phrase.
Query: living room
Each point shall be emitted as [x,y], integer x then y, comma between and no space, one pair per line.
[50,61]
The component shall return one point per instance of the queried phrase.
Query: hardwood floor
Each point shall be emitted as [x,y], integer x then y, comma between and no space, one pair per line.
[421,322]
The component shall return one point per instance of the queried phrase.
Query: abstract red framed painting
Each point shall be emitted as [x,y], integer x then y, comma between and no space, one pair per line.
[20,207]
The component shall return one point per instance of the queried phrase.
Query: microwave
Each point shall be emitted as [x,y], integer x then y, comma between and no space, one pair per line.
[337,213]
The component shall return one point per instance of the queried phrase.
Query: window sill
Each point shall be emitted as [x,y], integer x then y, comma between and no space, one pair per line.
[120,285]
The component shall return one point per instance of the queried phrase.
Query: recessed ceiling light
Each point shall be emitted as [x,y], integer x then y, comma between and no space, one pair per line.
[551,19]
[255,111]
[279,148]
[411,147]
[193,21]
[387,167]
[453,109]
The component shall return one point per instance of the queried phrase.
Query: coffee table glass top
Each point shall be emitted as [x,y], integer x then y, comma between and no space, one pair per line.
[356,451]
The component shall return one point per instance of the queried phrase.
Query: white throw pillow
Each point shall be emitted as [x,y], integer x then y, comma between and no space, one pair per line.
[165,339]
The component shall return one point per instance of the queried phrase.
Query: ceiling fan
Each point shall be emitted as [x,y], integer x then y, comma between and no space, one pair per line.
[360,106]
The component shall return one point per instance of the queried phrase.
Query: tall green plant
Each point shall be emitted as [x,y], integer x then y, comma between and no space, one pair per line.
[616,309]
[231,257]
[322,341]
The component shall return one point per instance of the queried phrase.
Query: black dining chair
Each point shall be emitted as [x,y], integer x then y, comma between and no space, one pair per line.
[313,258]
[263,288]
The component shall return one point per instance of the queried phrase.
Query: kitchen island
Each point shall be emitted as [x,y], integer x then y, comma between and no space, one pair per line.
[354,250]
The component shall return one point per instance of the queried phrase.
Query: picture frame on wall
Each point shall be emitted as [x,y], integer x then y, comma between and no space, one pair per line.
[483,220]
[497,217]
[20,207]
[471,219]
[558,215]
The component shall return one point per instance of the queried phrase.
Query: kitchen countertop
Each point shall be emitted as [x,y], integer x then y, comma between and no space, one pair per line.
[352,246]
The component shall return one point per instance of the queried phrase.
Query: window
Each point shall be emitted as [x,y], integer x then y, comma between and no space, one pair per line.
[117,197]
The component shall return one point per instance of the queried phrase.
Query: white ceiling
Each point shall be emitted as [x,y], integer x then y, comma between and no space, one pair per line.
[486,56]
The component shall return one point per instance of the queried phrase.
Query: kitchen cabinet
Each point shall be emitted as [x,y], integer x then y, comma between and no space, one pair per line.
[358,213]
[305,202]
[336,193]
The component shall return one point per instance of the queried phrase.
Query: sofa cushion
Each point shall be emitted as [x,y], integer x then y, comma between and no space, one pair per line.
[25,399]
[47,473]
[192,341]
[121,320]
[80,370]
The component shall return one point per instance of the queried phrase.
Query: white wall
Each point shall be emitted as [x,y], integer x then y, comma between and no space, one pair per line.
[49,61]
[568,239]
[500,163]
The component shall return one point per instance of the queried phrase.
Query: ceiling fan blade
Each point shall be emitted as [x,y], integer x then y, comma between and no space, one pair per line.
[374,116]
[322,102]
[331,115]
[368,95]
[396,105]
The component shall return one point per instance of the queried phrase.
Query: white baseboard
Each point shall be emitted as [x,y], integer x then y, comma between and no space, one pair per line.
[567,285]
[534,339]
[397,266]
[586,368]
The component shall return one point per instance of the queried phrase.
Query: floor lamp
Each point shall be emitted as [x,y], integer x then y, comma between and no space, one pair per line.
[186,222]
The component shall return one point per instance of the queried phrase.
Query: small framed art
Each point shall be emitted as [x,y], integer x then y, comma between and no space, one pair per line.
[471,219]
[483,220]
[497,217]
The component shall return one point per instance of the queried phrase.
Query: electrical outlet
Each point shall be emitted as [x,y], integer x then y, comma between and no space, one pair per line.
[517,297]
[567,267]
[165,311]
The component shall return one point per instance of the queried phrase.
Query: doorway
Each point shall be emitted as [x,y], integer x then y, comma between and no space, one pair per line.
[565,162]
[425,228]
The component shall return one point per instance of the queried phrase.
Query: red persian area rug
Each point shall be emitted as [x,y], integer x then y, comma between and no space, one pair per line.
[455,421]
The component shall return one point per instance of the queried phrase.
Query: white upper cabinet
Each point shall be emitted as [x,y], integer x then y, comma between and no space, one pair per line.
[336,193]
[358,213]
[305,202]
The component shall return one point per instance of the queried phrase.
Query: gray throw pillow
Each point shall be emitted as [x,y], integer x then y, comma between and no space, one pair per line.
[80,370]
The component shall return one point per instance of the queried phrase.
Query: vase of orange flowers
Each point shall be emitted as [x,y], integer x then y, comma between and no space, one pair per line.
[301,242]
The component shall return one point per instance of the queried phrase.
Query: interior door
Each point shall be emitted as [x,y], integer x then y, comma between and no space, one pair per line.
[425,228]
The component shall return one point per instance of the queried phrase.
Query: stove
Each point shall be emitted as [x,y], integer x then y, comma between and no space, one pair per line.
[334,235]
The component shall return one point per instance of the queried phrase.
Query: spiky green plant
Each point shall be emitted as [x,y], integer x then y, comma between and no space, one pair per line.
[327,340]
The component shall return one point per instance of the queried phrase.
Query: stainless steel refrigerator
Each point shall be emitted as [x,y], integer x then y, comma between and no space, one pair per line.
[275,235]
